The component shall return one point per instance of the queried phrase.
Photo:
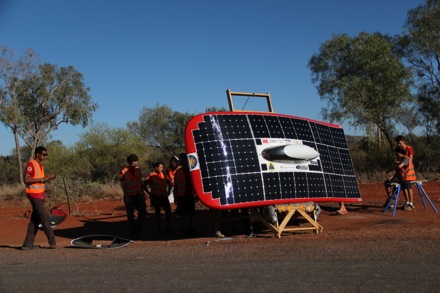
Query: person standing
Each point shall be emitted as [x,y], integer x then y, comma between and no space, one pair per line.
[404,174]
[184,196]
[156,185]
[134,197]
[409,153]
[170,172]
[35,180]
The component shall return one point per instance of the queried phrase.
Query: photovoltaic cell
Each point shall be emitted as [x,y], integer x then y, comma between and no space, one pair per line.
[231,170]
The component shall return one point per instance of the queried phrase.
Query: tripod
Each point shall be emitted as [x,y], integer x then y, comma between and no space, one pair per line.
[395,196]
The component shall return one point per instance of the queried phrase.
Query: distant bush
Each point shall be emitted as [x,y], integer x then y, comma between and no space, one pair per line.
[13,192]
[82,190]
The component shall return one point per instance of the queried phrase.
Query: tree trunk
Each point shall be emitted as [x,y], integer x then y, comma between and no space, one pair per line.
[18,153]
[379,136]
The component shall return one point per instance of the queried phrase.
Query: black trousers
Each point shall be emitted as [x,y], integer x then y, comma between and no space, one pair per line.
[39,216]
[133,203]
[159,202]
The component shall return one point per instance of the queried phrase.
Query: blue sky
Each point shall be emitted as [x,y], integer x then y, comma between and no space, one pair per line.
[186,53]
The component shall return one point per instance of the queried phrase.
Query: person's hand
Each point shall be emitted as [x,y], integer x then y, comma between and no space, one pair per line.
[49,177]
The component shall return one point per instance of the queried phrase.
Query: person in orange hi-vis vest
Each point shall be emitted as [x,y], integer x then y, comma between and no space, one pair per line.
[134,198]
[404,174]
[409,152]
[35,181]
[157,186]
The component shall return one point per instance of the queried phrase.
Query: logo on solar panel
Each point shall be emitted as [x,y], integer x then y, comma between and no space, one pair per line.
[193,162]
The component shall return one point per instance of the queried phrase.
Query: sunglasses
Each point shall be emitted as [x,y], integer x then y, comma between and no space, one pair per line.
[44,155]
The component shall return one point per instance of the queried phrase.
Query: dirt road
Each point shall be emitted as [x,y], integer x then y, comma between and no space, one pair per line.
[362,251]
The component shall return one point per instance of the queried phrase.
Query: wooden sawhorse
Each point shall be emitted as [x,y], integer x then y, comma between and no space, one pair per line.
[396,191]
[289,210]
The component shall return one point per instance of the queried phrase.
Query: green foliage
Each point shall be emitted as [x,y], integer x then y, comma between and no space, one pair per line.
[35,99]
[215,109]
[363,81]
[61,160]
[102,151]
[8,170]
[367,155]
[426,154]
[410,118]
[420,44]
[79,190]
[370,160]
[58,95]
[163,130]
[13,72]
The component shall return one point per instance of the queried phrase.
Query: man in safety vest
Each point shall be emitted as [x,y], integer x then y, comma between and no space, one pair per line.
[157,185]
[404,174]
[409,151]
[35,181]
[134,197]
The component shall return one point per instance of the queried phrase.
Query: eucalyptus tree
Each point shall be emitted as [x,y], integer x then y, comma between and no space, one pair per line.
[51,97]
[36,98]
[420,44]
[13,71]
[162,129]
[101,152]
[363,81]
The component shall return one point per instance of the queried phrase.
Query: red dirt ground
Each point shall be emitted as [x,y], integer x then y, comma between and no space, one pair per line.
[365,220]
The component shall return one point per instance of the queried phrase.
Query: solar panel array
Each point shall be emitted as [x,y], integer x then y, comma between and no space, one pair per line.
[230,170]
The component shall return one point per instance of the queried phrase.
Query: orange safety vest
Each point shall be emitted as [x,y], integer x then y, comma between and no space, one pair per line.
[38,187]
[132,181]
[408,173]
[158,184]
[172,174]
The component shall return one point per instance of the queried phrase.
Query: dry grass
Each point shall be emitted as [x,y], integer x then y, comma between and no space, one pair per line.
[376,176]
[12,192]
[112,190]
[76,191]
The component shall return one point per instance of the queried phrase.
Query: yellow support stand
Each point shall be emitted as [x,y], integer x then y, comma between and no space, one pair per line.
[288,211]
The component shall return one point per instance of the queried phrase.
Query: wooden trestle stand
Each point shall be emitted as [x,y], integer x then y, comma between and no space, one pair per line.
[286,212]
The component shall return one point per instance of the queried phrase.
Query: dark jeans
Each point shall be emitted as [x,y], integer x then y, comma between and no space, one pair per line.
[39,216]
[159,202]
[133,203]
